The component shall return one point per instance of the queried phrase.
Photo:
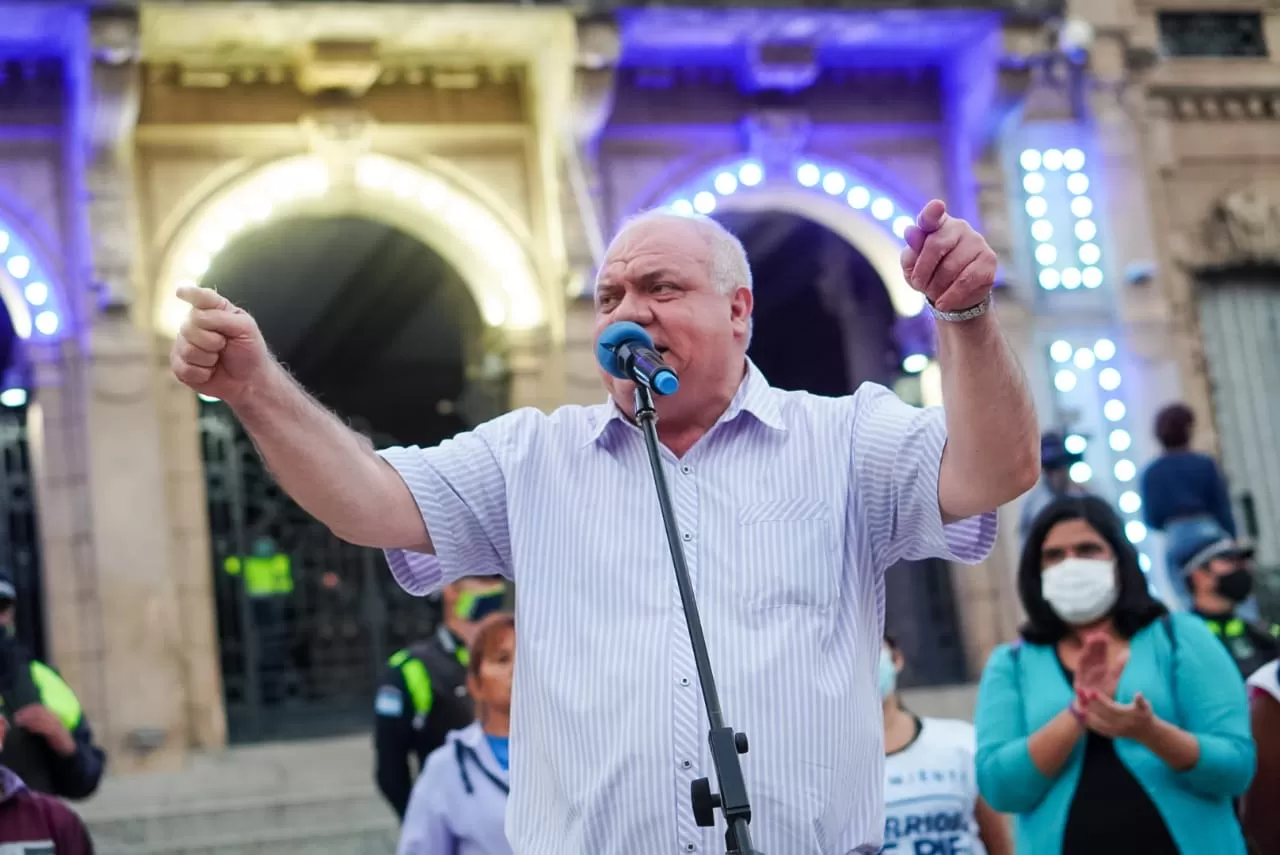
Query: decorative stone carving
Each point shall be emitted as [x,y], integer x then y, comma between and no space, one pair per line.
[1244,228]
[776,137]
[110,121]
[339,135]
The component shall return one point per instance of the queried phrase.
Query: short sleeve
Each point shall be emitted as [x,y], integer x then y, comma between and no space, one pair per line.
[897,457]
[460,487]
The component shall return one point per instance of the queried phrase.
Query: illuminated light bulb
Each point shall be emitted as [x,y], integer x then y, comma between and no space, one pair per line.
[1135,531]
[1086,230]
[494,311]
[1120,440]
[432,195]
[1109,379]
[1046,254]
[526,310]
[1125,470]
[750,174]
[859,197]
[1130,502]
[1144,561]
[4,241]
[1091,277]
[1033,183]
[725,183]
[1089,253]
[882,209]
[1082,206]
[901,224]
[1104,349]
[47,322]
[914,363]
[1073,159]
[834,183]
[18,266]
[1049,279]
[1064,380]
[1053,160]
[1071,278]
[1080,472]
[14,397]
[36,293]
[1060,351]
[1075,444]
[1030,160]
[1113,410]
[1084,359]
[808,174]
[257,208]
[1042,230]
[1078,183]
[683,207]
[704,202]
[1036,206]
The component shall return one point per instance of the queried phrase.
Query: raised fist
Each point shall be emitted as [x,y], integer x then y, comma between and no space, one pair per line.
[947,260]
[219,351]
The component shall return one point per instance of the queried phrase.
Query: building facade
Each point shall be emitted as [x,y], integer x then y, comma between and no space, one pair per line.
[1124,161]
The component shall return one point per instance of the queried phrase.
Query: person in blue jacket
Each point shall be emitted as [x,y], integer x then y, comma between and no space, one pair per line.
[1110,726]
[459,802]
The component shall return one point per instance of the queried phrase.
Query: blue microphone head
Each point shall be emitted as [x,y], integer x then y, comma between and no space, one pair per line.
[614,335]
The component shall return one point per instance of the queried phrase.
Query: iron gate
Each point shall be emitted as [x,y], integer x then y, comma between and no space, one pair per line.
[303,660]
[19,533]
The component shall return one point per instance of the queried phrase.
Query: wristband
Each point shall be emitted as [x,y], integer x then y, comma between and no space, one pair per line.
[1075,710]
[964,314]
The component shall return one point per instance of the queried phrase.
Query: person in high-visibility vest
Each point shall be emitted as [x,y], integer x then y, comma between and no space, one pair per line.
[423,693]
[268,583]
[50,746]
[1219,574]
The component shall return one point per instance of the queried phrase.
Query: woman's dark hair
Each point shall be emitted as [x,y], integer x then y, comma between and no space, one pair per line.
[1135,608]
[489,634]
[1173,426]
[892,642]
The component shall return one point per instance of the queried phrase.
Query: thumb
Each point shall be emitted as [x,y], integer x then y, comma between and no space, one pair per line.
[932,217]
[202,298]
[1141,703]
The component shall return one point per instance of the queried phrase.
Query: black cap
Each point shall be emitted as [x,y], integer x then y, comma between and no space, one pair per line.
[1202,550]
[1054,453]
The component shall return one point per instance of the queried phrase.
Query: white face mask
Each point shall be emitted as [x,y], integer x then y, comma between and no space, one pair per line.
[1080,590]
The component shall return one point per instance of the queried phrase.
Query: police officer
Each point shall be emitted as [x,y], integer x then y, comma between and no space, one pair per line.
[268,583]
[423,694]
[1219,574]
[50,745]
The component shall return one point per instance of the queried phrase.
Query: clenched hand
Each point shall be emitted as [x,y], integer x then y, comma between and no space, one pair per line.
[219,351]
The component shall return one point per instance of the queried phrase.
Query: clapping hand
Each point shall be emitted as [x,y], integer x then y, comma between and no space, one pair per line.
[1098,671]
[1105,716]
[947,260]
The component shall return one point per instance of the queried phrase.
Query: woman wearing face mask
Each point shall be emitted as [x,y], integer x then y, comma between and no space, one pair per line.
[931,797]
[1111,726]
[459,802]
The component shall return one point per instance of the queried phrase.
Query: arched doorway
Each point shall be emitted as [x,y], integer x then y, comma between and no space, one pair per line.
[825,323]
[384,332]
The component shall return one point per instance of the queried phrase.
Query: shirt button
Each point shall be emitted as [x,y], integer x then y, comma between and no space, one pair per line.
[686,764]
[684,681]
[688,536]
[687,469]
[690,847]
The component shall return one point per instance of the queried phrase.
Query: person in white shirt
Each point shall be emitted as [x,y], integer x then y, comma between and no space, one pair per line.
[932,806]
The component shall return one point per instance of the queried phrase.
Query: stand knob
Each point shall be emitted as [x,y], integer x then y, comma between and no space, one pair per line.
[740,742]
[705,803]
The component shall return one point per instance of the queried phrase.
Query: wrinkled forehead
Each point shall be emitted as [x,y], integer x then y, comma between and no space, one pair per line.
[656,248]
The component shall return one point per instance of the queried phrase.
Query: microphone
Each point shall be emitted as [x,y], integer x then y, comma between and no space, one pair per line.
[626,351]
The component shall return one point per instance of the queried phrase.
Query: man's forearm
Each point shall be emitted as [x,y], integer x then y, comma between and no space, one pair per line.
[993,445]
[330,470]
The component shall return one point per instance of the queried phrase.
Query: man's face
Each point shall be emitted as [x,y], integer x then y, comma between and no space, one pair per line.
[657,275]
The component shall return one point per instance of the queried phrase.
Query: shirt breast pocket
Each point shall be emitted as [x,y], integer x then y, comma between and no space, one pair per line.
[788,554]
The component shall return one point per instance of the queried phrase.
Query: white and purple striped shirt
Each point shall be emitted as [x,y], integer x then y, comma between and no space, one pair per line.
[790,509]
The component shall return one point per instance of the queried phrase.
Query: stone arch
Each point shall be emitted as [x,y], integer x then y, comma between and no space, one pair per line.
[431,206]
[870,218]
[32,293]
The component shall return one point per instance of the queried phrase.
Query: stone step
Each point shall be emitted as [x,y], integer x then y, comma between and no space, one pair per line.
[251,815]
[366,838]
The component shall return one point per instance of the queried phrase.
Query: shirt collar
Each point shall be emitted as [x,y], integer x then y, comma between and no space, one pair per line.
[754,396]
[10,784]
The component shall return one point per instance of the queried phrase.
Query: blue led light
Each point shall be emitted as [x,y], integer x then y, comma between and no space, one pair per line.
[23,266]
[1052,179]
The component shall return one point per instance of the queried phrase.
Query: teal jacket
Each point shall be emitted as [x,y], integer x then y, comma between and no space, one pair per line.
[1202,692]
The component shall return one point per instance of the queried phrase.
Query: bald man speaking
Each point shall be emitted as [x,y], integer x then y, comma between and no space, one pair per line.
[790,506]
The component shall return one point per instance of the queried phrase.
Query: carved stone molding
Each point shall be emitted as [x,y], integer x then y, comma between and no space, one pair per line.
[1261,105]
[776,137]
[1243,227]
[339,135]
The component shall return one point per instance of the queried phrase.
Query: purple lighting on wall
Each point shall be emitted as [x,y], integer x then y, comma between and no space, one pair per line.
[22,266]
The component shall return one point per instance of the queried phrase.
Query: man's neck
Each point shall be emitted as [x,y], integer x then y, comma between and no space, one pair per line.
[496,723]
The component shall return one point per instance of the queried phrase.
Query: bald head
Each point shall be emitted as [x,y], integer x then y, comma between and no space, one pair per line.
[727,266]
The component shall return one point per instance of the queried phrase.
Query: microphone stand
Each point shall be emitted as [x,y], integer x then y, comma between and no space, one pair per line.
[726,744]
